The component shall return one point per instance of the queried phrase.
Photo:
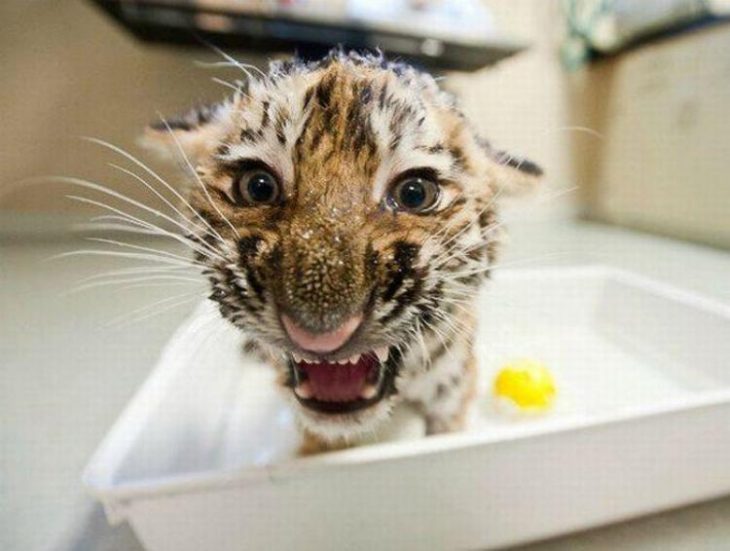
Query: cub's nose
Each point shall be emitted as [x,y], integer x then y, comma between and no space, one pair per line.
[321,282]
[321,342]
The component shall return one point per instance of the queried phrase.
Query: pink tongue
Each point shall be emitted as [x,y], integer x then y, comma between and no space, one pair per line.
[333,382]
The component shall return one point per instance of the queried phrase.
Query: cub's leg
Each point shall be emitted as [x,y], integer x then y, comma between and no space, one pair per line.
[313,444]
[444,385]
[451,398]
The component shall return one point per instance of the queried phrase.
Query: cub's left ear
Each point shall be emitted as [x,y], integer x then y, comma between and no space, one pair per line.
[196,133]
[512,175]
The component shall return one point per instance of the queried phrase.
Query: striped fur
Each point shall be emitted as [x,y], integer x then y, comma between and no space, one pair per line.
[337,134]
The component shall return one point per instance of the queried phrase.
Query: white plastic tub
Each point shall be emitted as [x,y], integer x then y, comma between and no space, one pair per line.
[202,458]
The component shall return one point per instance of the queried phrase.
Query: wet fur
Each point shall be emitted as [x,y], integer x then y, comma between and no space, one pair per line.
[338,133]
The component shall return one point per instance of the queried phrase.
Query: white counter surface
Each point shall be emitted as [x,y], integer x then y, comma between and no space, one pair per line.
[65,375]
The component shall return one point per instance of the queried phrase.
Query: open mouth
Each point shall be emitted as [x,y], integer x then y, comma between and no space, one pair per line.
[343,386]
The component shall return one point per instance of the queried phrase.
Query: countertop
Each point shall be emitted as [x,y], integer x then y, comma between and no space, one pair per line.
[66,372]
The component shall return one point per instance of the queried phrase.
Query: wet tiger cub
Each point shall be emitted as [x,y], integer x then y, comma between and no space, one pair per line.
[346,218]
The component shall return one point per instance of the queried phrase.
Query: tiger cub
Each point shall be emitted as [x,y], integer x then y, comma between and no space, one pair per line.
[346,221]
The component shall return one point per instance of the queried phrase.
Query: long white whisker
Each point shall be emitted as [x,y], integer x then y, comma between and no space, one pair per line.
[183,302]
[234,62]
[131,223]
[119,254]
[202,248]
[176,300]
[157,193]
[173,270]
[481,269]
[159,178]
[451,241]
[453,324]
[585,129]
[120,281]
[226,84]
[110,192]
[154,284]
[449,253]
[86,227]
[197,177]
[424,349]
[142,248]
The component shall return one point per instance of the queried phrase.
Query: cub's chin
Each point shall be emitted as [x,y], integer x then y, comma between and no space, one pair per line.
[339,400]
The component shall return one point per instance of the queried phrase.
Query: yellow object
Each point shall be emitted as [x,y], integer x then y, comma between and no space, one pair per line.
[527,383]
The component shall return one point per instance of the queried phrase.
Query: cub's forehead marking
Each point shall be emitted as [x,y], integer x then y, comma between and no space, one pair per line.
[369,117]
[270,120]
[409,135]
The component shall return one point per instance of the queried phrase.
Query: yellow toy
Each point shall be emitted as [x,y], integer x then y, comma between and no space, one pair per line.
[526,383]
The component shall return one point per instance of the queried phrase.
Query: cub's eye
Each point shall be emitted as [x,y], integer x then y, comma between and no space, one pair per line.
[415,194]
[257,187]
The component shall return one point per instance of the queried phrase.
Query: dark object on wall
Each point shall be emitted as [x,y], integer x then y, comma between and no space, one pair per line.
[308,32]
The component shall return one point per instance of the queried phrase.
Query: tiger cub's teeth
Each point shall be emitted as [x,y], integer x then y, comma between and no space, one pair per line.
[382,353]
[297,357]
[368,392]
[343,362]
[303,390]
[354,359]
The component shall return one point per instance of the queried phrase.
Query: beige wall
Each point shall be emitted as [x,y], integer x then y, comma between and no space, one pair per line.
[520,103]
[662,112]
[68,71]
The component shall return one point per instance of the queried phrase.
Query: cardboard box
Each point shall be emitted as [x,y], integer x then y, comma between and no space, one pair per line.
[659,159]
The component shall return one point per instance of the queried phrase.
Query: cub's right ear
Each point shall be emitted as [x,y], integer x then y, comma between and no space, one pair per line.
[515,175]
[511,174]
[195,134]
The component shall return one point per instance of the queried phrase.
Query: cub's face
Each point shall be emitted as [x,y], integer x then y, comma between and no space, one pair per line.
[345,218]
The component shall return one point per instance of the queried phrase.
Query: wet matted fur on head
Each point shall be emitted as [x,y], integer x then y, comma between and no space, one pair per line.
[347,220]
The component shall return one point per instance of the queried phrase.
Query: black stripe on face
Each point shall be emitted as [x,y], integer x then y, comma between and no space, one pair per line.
[487,218]
[397,124]
[404,300]
[248,250]
[205,243]
[265,118]
[314,141]
[232,299]
[366,94]
[359,135]
[248,246]
[279,123]
[281,137]
[458,158]
[401,271]
[323,92]
[255,284]
[404,256]
[427,309]
[382,97]
[308,95]
[247,135]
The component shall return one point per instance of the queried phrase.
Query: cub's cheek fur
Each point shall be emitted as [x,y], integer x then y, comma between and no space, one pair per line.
[335,136]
